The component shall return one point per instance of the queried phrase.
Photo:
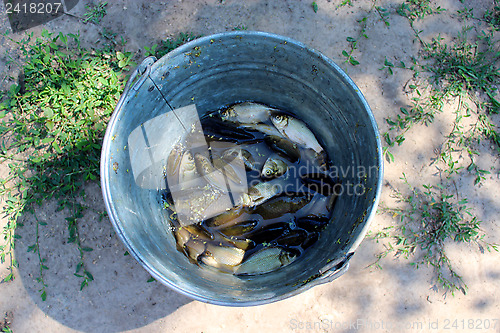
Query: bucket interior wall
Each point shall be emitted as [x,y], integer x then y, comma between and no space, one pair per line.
[213,73]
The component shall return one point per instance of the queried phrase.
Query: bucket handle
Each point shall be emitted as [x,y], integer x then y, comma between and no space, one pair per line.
[333,270]
[143,71]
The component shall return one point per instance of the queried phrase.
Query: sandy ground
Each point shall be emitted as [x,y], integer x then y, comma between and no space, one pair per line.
[397,298]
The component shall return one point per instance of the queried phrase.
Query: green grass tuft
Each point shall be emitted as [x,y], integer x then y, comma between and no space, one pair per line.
[95,12]
[428,220]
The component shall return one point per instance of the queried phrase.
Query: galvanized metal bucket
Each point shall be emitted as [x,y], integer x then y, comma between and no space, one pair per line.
[215,71]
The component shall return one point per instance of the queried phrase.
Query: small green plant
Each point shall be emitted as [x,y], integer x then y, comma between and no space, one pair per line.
[388,65]
[492,16]
[384,14]
[108,41]
[6,329]
[425,105]
[463,75]
[488,129]
[353,43]
[466,13]
[413,9]
[125,60]
[314,6]
[159,50]
[345,3]
[42,267]
[6,322]
[240,27]
[95,12]
[74,237]
[150,50]
[430,219]
[462,67]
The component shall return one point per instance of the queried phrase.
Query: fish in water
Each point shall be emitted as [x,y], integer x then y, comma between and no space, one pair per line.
[274,167]
[198,204]
[269,232]
[262,192]
[283,147]
[264,261]
[238,241]
[252,116]
[188,175]
[293,238]
[312,238]
[190,239]
[248,160]
[312,223]
[247,113]
[219,130]
[216,177]
[239,228]
[198,232]
[296,131]
[187,168]
[263,128]
[322,183]
[228,218]
[182,236]
[318,205]
[222,256]
[256,198]
[233,169]
[173,164]
[194,249]
[281,205]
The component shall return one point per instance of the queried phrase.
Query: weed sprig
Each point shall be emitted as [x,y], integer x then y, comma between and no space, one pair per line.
[159,50]
[418,9]
[95,12]
[428,220]
[463,67]
[383,13]
[353,43]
